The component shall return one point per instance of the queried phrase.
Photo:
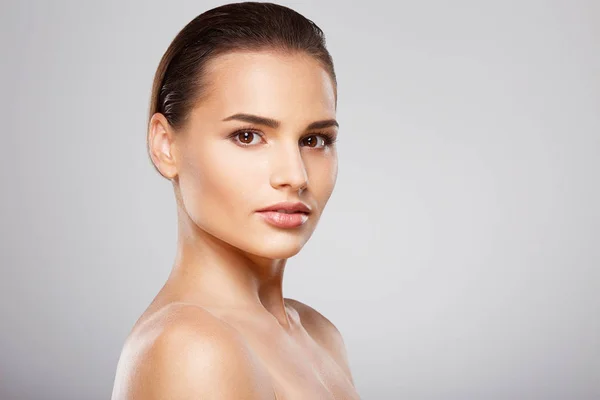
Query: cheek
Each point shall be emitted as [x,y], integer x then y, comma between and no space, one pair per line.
[322,172]
[217,186]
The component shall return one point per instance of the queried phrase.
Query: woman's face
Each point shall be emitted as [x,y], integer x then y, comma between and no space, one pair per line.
[231,165]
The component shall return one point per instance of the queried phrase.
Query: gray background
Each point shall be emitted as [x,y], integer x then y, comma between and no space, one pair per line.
[459,252]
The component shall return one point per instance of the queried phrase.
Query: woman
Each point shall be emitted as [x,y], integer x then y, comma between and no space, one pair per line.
[242,122]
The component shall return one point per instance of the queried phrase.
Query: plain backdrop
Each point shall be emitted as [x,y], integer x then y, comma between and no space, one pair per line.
[459,254]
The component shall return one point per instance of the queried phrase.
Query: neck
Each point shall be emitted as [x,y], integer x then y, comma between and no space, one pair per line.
[212,272]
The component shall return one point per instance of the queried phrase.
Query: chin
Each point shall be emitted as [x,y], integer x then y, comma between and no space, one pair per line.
[277,247]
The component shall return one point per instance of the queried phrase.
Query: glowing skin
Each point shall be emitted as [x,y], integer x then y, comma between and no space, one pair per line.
[222,305]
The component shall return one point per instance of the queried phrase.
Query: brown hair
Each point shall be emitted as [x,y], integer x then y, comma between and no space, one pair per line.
[244,26]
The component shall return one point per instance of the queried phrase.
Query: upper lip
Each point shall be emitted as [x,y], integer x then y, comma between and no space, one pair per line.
[288,206]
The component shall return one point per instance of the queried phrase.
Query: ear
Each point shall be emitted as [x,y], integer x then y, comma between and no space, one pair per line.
[161,146]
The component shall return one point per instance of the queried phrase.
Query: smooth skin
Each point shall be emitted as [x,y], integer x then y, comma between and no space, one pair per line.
[220,327]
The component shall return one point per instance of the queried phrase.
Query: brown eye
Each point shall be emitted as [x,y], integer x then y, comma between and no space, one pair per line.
[246,138]
[312,141]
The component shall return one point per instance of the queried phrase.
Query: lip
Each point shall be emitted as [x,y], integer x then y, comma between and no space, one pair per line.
[283,220]
[297,214]
[288,206]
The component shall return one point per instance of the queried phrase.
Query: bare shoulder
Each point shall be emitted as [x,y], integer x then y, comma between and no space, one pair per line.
[317,325]
[184,352]
[323,331]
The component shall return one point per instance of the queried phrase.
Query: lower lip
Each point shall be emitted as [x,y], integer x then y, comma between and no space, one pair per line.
[283,220]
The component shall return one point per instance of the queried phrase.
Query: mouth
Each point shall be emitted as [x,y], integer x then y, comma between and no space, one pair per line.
[286,211]
[286,215]
[284,219]
[288,208]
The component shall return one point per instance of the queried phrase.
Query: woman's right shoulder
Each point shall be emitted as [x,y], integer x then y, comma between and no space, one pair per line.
[184,351]
[177,318]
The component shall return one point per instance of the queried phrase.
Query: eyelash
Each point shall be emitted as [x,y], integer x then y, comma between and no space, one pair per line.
[328,138]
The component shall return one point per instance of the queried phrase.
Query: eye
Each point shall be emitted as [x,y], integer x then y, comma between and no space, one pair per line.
[247,138]
[317,141]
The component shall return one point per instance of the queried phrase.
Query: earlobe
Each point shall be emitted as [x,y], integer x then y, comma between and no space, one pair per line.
[160,142]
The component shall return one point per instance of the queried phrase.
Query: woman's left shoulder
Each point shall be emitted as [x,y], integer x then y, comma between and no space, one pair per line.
[323,331]
[313,319]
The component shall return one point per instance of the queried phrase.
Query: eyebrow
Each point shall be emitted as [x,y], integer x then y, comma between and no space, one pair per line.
[272,123]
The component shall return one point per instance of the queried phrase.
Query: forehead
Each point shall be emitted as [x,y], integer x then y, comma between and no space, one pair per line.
[278,85]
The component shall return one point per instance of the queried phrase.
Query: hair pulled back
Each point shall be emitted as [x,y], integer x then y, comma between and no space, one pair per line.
[247,26]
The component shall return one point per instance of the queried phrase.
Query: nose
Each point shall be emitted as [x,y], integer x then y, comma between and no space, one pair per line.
[288,169]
